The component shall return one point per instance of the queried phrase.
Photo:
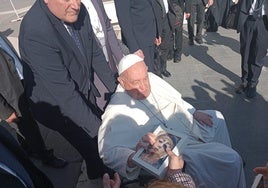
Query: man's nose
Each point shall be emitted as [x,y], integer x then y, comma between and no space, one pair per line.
[142,86]
[76,4]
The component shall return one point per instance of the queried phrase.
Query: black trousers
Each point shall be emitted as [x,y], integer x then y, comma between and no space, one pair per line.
[28,132]
[198,9]
[253,49]
[83,143]
[164,47]
[30,137]
[178,36]
[148,52]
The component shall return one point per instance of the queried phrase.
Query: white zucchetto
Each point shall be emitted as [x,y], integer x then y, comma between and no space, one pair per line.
[127,61]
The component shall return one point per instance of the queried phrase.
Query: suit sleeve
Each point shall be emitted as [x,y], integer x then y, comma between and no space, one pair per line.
[11,88]
[52,78]
[124,18]
[158,17]
[5,109]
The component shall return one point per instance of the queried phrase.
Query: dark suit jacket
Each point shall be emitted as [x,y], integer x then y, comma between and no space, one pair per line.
[160,15]
[11,88]
[175,6]
[113,48]
[37,178]
[244,7]
[205,2]
[137,22]
[184,4]
[57,76]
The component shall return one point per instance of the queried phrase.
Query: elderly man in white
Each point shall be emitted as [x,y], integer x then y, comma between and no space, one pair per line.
[143,101]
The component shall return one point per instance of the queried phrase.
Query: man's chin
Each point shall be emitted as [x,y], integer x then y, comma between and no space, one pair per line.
[71,19]
[142,97]
[137,95]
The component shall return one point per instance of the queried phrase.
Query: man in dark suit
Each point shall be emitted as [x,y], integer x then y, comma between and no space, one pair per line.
[253,28]
[169,15]
[16,169]
[179,7]
[197,15]
[138,26]
[14,106]
[161,11]
[60,55]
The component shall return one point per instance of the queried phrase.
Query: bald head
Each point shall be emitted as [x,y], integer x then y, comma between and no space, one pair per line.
[133,77]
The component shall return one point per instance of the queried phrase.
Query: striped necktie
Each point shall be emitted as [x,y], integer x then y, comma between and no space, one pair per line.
[74,34]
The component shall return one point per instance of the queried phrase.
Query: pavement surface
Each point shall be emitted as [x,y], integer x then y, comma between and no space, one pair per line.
[206,76]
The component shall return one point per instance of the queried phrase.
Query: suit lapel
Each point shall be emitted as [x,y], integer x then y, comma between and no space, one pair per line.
[82,26]
[62,31]
[162,4]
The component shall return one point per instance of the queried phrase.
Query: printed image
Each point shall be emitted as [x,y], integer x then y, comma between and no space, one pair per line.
[156,154]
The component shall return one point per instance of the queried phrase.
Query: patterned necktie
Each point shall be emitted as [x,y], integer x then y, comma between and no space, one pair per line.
[258,7]
[74,34]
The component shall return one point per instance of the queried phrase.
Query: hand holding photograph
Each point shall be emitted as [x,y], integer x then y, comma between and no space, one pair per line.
[154,158]
[258,181]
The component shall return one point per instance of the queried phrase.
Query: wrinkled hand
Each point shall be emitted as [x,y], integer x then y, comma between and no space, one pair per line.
[12,118]
[203,118]
[262,170]
[111,183]
[210,2]
[148,139]
[139,53]
[175,162]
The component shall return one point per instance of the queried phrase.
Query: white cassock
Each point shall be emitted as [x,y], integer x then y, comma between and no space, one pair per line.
[209,158]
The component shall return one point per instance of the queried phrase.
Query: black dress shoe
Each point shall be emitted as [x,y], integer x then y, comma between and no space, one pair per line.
[49,159]
[166,73]
[55,162]
[251,91]
[191,42]
[158,73]
[177,59]
[199,41]
[170,56]
[241,88]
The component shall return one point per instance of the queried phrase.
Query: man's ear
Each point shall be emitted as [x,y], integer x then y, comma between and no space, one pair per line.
[45,1]
[121,81]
